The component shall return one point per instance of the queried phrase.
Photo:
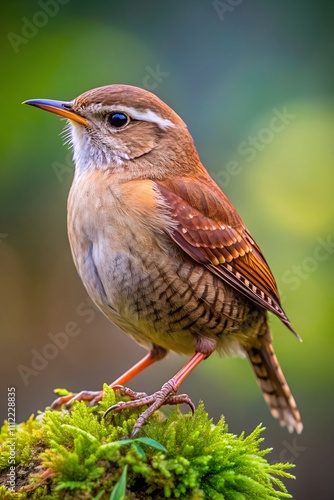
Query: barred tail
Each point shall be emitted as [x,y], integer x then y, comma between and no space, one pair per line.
[275,389]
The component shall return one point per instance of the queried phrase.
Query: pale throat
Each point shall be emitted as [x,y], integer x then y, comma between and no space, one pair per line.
[90,154]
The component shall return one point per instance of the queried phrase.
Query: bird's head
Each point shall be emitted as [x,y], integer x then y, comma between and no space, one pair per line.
[125,129]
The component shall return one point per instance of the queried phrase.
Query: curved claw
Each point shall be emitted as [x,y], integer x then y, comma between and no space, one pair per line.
[86,396]
[97,398]
[125,391]
[92,396]
[166,396]
[112,408]
[183,399]
[59,402]
[126,405]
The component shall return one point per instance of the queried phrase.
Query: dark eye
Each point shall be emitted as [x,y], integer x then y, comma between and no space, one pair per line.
[118,119]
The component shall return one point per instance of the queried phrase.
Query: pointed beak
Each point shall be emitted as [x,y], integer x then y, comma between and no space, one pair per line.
[61,108]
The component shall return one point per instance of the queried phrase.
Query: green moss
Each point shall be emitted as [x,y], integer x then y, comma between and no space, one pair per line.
[83,456]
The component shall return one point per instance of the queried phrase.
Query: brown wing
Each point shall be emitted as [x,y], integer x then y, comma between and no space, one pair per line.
[211,232]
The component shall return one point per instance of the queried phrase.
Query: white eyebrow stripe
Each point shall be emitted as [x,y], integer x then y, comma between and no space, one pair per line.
[147,116]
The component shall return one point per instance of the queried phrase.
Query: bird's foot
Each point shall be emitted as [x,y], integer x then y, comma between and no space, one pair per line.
[92,396]
[165,396]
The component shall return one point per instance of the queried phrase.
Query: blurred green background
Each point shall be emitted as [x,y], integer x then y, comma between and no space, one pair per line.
[228,68]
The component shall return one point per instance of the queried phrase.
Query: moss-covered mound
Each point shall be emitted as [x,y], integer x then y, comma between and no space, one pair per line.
[83,456]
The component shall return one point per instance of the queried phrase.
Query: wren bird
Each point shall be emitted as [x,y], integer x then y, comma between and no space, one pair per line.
[161,250]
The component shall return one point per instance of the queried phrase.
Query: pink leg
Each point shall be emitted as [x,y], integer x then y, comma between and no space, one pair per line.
[94,397]
[166,395]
